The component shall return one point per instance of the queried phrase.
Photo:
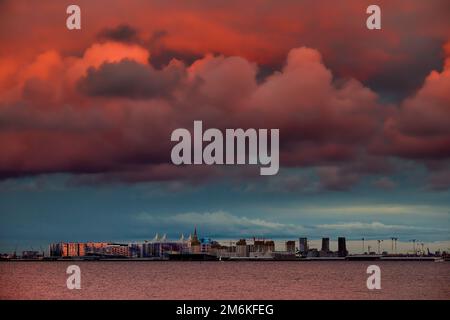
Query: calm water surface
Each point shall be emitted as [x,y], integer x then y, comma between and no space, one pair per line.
[224,280]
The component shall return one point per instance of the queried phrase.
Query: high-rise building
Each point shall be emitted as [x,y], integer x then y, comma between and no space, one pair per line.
[258,246]
[76,249]
[342,248]
[290,246]
[81,250]
[72,249]
[262,247]
[325,244]
[56,249]
[269,246]
[242,249]
[303,245]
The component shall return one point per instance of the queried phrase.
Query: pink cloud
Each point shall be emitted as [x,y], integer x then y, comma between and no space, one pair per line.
[63,113]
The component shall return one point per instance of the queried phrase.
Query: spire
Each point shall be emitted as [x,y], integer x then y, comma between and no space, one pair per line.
[194,239]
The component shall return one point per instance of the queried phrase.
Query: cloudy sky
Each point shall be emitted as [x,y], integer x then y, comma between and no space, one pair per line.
[86,118]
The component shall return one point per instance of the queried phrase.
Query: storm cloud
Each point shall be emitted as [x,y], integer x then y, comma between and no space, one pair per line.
[130,79]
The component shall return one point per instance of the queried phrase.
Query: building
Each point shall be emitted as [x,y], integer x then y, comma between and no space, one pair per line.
[242,249]
[303,245]
[135,250]
[290,246]
[55,250]
[325,250]
[258,246]
[325,245]
[184,246]
[95,248]
[262,248]
[149,249]
[205,245]
[161,247]
[81,249]
[219,250]
[30,254]
[194,243]
[270,246]
[78,249]
[342,248]
[121,250]
[313,253]
[72,249]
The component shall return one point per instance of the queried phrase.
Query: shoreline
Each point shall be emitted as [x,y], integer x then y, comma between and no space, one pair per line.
[343,259]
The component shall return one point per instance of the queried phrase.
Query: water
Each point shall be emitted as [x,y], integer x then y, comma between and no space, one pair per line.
[224,280]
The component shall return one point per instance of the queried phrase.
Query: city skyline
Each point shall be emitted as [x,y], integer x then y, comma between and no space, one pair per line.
[360,245]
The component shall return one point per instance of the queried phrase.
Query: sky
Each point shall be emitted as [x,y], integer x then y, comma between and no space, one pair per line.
[86,117]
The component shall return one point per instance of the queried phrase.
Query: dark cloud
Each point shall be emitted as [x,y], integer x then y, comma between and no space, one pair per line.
[163,57]
[419,128]
[130,79]
[397,80]
[121,33]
